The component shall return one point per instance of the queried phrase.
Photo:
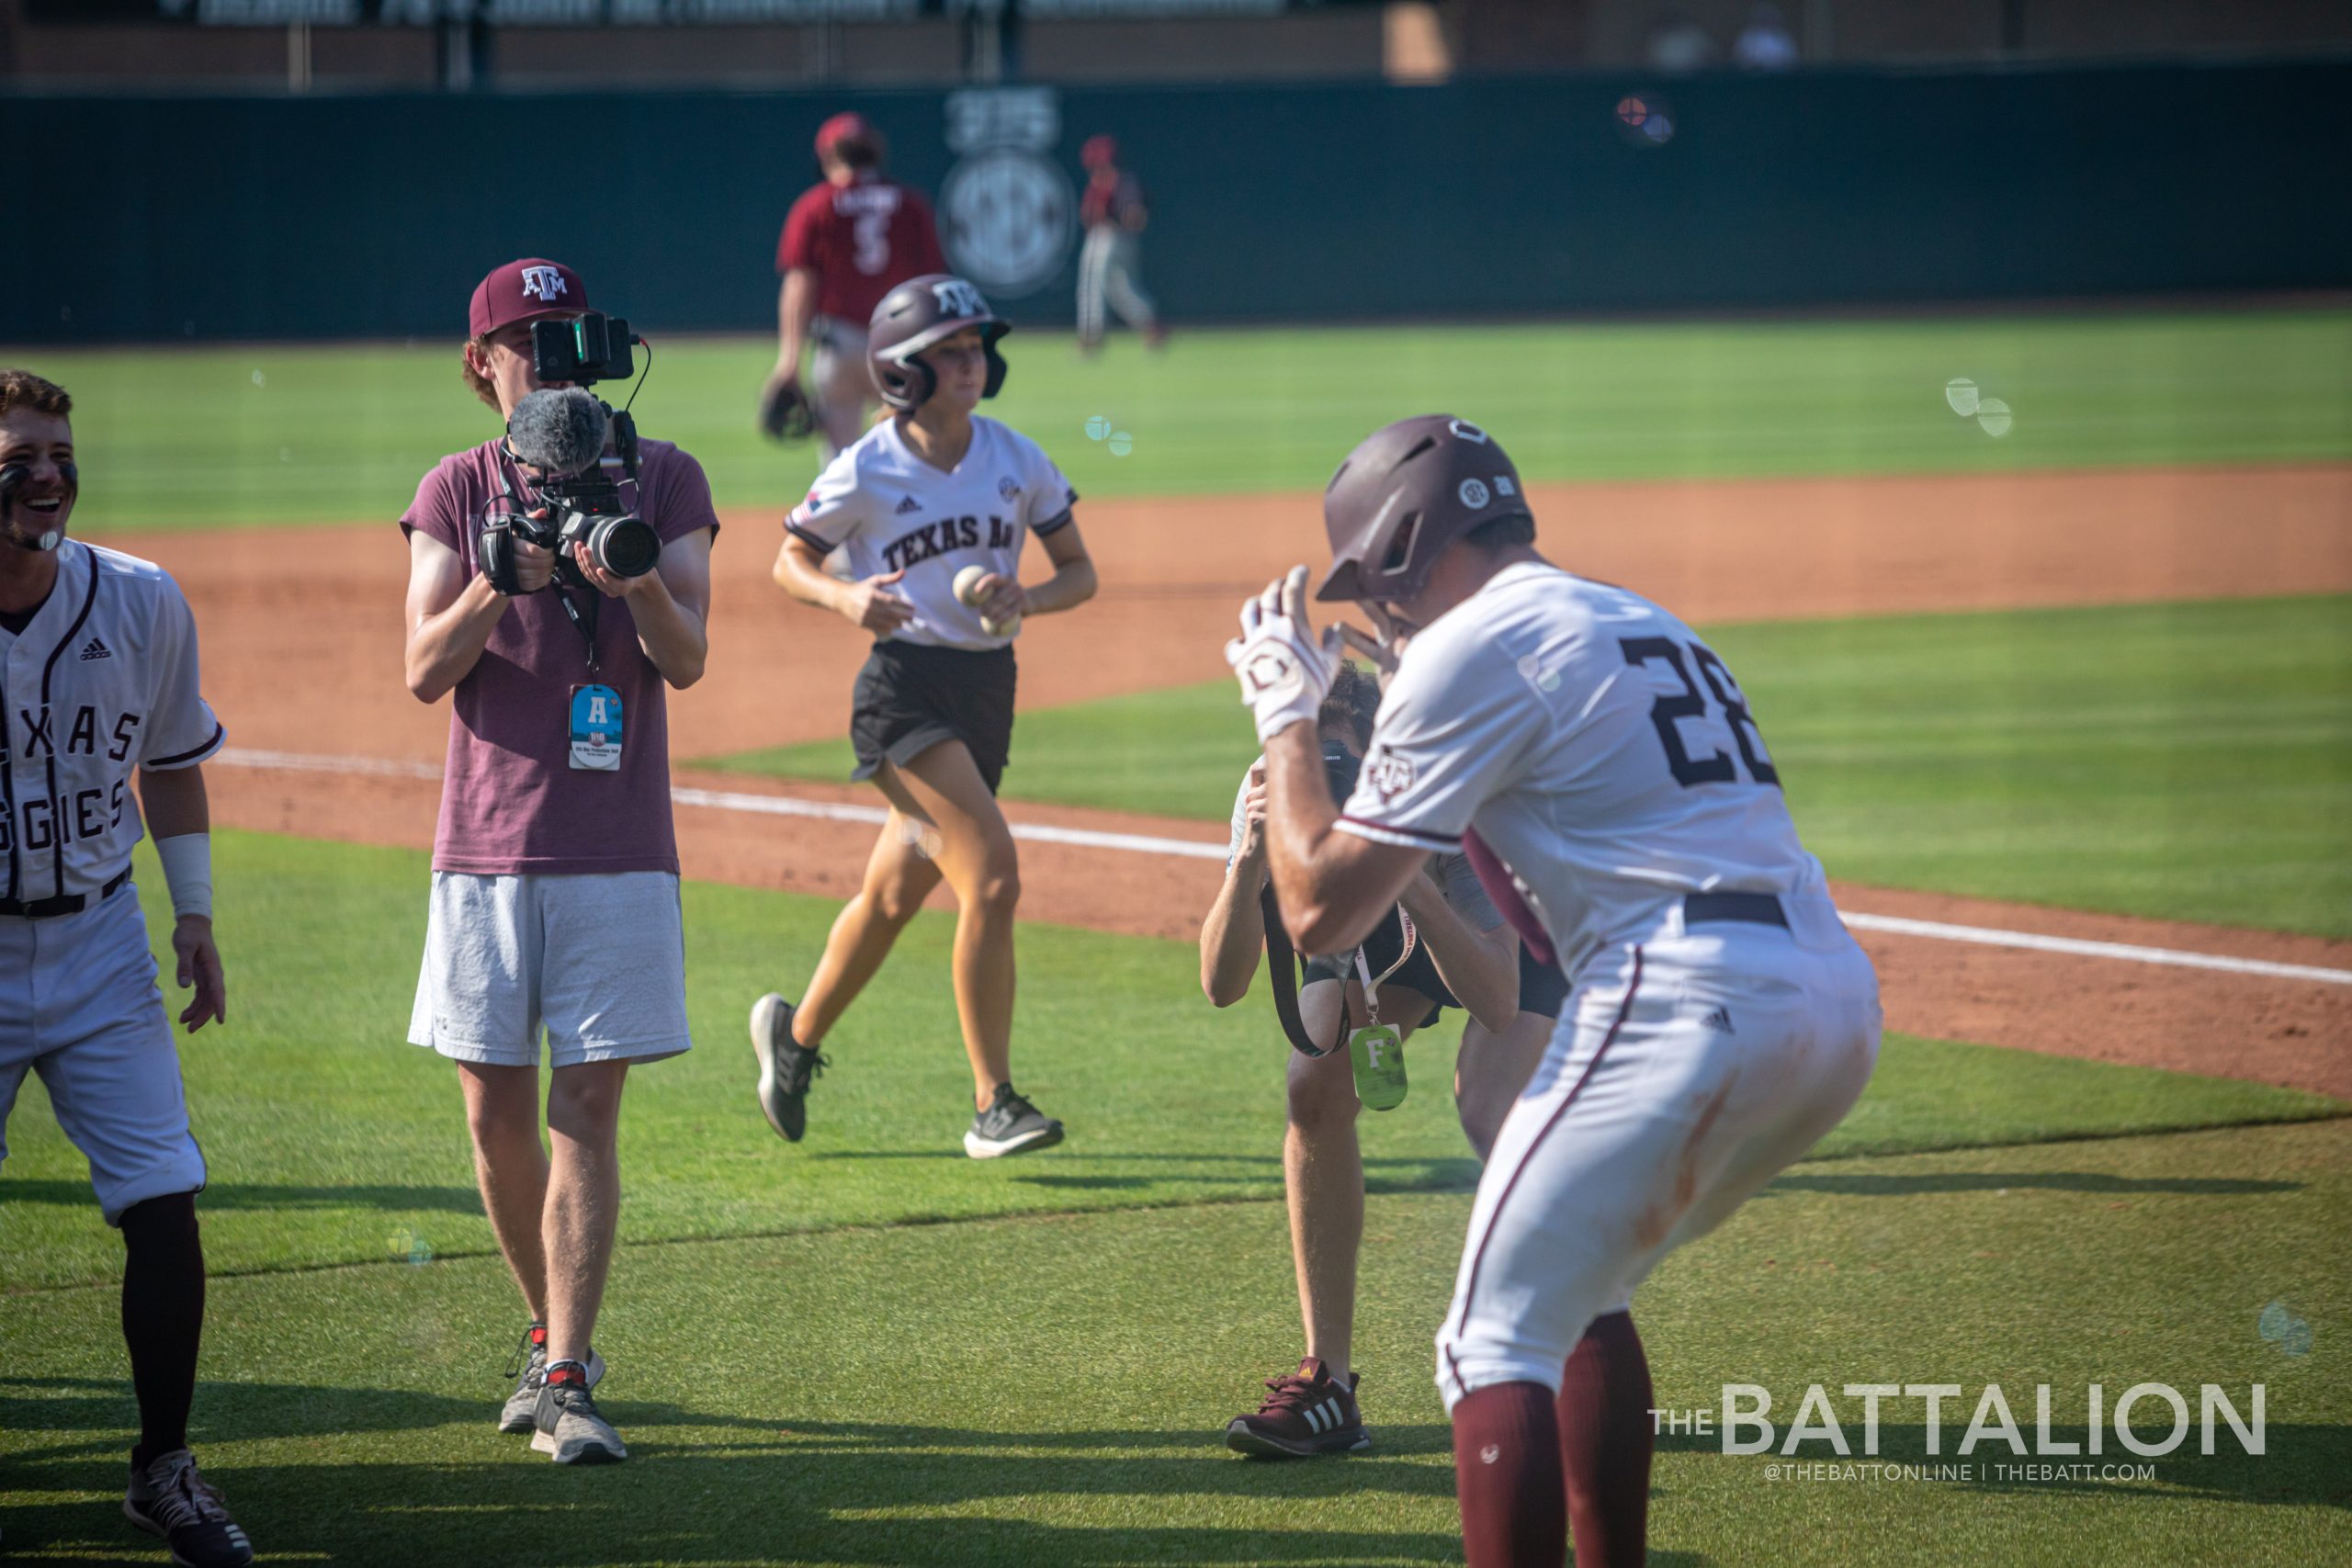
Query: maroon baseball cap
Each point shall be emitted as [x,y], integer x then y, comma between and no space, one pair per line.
[848,127]
[523,290]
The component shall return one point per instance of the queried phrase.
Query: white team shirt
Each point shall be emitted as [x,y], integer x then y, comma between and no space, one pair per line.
[1597,747]
[887,508]
[1464,894]
[103,681]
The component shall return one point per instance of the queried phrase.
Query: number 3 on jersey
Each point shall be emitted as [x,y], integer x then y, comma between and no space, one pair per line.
[1668,713]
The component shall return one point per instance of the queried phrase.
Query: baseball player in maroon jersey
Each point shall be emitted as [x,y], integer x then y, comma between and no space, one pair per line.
[850,240]
[1110,261]
[1607,777]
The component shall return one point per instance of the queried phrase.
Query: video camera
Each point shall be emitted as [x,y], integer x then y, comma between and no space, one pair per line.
[562,433]
[586,510]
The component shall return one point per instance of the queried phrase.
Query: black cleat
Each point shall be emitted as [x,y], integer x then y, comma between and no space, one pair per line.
[169,1499]
[785,1068]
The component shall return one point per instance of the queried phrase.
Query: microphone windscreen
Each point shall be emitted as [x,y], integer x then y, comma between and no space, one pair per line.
[558,430]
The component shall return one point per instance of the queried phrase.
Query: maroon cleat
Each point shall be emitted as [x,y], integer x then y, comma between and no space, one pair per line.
[1307,1412]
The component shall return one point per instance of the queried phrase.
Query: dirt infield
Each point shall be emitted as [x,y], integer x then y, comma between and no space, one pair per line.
[303,648]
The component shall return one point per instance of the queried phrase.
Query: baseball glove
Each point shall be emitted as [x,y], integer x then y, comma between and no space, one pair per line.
[785,411]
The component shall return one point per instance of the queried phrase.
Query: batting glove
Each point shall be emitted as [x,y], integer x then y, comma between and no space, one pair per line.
[1285,669]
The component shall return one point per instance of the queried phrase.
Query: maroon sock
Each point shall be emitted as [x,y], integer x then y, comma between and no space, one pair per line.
[1605,1442]
[163,1317]
[1507,1473]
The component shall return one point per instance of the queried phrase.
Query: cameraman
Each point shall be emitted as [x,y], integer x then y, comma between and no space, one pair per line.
[555,865]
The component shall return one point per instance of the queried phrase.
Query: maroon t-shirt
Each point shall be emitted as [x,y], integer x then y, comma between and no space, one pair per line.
[511,801]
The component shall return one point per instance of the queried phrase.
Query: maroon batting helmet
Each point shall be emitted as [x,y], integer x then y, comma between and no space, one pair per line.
[922,313]
[1411,489]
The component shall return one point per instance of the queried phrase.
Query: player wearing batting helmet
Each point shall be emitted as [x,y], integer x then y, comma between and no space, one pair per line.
[1607,776]
[932,508]
[849,239]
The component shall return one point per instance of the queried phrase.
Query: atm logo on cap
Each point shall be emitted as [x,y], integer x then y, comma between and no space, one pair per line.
[542,282]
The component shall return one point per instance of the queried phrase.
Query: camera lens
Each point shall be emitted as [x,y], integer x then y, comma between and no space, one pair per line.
[625,546]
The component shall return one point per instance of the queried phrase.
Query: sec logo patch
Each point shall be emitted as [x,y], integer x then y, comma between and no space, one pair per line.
[1474,493]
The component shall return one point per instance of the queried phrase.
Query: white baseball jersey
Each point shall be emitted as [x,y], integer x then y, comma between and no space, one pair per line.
[1464,894]
[1597,747]
[103,681]
[889,510]
[1604,753]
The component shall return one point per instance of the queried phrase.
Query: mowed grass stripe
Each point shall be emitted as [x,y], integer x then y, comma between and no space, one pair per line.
[331,1141]
[188,438]
[1053,1391]
[2183,761]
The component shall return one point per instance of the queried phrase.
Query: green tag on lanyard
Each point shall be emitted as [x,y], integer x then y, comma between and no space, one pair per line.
[1377,1054]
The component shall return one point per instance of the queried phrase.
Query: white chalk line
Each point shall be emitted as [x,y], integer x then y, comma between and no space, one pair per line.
[1195,848]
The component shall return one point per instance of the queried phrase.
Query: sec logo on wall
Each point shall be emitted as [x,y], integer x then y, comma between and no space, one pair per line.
[1008,213]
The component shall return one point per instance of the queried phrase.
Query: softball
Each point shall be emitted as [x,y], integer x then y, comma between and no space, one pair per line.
[967,583]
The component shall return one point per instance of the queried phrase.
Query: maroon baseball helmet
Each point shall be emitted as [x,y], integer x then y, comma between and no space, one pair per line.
[922,313]
[1411,489]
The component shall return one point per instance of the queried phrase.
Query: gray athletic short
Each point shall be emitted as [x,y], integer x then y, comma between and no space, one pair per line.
[598,961]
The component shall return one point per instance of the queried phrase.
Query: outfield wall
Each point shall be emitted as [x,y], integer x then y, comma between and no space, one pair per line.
[322,217]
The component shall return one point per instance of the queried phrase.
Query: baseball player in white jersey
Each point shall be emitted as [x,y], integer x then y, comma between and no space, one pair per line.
[1601,766]
[98,678]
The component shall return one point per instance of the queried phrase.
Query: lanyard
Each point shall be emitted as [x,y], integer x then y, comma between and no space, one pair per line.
[1363,970]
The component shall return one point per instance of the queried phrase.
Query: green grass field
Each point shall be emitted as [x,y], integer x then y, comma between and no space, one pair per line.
[2189,761]
[278,432]
[867,1349]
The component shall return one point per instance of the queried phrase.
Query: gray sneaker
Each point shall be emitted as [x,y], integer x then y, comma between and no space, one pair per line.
[1011,1126]
[785,1068]
[572,1430]
[531,1362]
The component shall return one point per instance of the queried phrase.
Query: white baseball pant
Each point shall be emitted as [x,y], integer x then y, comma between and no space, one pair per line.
[1690,1067]
[1107,266]
[843,383]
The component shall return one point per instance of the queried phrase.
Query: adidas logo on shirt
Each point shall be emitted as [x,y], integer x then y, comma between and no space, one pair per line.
[94,648]
[909,504]
[1719,1020]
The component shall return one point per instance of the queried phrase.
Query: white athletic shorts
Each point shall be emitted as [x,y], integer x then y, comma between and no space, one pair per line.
[599,960]
[79,1005]
[1687,1068]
